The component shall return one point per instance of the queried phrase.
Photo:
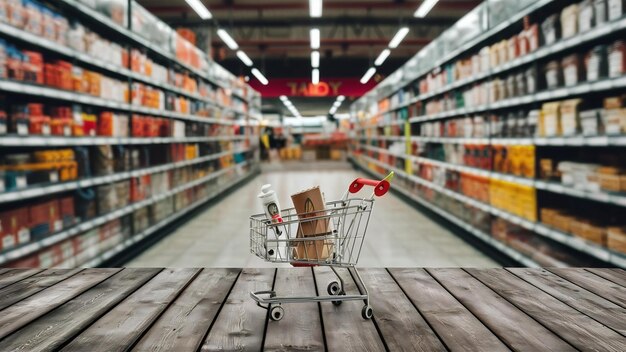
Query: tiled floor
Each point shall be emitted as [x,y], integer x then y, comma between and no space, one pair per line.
[398,235]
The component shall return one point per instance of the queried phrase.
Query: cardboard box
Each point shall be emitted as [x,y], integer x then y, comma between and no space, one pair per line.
[310,204]
[616,239]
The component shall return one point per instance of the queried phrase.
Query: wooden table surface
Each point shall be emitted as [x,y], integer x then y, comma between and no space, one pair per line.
[211,310]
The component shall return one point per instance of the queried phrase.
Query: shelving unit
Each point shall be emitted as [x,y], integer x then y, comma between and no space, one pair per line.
[232,156]
[390,115]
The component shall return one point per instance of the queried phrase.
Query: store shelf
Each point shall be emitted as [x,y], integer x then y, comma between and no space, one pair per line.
[541,53]
[550,141]
[102,20]
[95,262]
[53,93]
[570,241]
[38,191]
[33,247]
[553,94]
[51,141]
[508,251]
[554,187]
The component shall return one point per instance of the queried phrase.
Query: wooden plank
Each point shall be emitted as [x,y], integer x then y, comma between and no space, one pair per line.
[582,300]
[301,327]
[123,325]
[3,270]
[516,329]
[457,327]
[574,327]
[185,323]
[12,276]
[594,283]
[616,275]
[53,330]
[240,324]
[344,327]
[29,286]
[400,324]
[26,310]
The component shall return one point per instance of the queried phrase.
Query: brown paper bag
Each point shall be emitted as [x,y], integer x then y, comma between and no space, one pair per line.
[309,204]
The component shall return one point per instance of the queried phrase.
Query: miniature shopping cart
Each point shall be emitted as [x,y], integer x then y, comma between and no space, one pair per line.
[338,230]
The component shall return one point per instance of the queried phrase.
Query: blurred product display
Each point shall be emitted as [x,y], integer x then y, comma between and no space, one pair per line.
[518,136]
[107,134]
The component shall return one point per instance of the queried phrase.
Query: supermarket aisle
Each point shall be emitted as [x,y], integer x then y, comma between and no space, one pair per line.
[219,236]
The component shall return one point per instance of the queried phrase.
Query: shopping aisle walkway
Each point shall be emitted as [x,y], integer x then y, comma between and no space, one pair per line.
[398,234]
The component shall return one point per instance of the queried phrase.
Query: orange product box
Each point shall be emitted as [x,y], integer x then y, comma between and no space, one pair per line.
[137,126]
[105,124]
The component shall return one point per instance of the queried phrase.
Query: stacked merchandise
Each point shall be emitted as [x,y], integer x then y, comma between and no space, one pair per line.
[66,200]
[524,128]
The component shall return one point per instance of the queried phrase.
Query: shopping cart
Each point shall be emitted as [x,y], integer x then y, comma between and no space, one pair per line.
[338,230]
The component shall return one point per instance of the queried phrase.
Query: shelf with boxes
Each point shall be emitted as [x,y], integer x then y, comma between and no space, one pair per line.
[483,236]
[88,240]
[579,241]
[25,221]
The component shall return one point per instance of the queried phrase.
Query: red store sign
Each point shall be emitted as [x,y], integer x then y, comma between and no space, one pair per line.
[302,87]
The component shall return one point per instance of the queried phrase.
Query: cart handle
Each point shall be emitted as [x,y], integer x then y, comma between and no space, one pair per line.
[380,187]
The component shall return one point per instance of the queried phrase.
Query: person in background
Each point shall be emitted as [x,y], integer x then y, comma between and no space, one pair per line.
[265,143]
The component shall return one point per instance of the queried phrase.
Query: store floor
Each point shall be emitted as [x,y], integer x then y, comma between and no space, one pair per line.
[398,235]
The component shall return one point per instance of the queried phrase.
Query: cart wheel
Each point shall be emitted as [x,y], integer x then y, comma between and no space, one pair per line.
[333,288]
[276,313]
[342,293]
[367,312]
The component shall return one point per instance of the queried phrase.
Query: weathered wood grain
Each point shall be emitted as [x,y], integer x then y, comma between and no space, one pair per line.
[344,327]
[574,327]
[511,325]
[616,275]
[31,285]
[53,330]
[457,327]
[240,324]
[123,325]
[301,327]
[14,275]
[602,287]
[187,320]
[576,297]
[400,324]
[26,310]
[3,270]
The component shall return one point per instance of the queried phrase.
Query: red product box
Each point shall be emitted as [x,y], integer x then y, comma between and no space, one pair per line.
[39,219]
[105,124]
[137,126]
[67,211]
[15,227]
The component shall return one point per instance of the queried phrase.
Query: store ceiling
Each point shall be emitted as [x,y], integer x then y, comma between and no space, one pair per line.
[275,35]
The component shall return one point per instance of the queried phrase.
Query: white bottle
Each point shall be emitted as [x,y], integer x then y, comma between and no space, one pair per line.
[276,250]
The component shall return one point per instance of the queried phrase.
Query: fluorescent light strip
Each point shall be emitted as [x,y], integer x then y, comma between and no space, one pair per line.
[382,57]
[315,8]
[425,8]
[227,39]
[260,76]
[315,59]
[395,41]
[366,77]
[341,98]
[315,76]
[283,98]
[244,58]
[315,38]
[200,9]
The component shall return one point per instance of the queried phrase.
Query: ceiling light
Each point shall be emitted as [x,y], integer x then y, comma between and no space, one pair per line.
[315,8]
[425,8]
[227,39]
[244,58]
[315,38]
[333,110]
[337,104]
[288,103]
[382,57]
[260,76]
[395,41]
[366,77]
[341,98]
[315,59]
[315,76]
[200,9]
[283,98]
